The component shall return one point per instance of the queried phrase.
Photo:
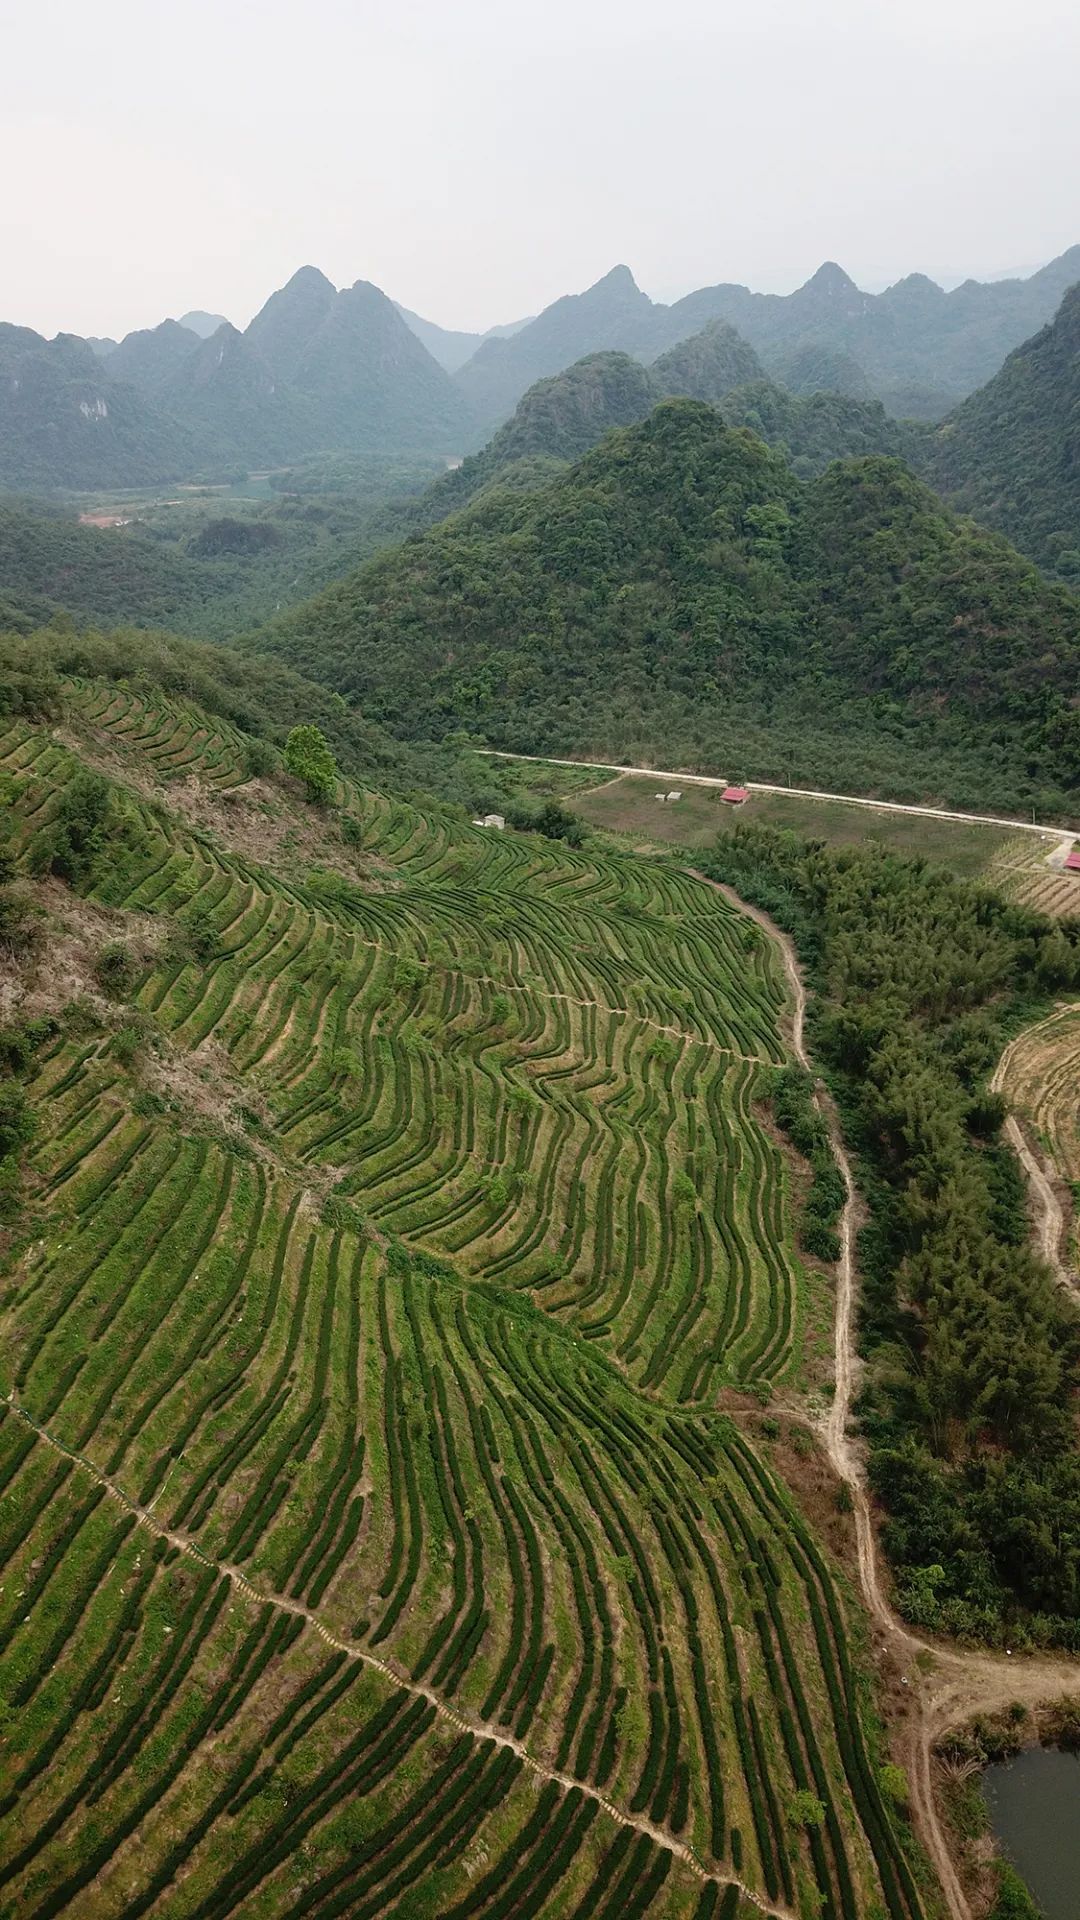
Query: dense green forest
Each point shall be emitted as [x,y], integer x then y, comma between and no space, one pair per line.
[330,512]
[682,595]
[974,1353]
[1011,454]
[210,567]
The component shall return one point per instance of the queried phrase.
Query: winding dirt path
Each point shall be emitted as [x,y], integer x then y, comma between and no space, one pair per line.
[465,1722]
[947,1686]
[1050,1225]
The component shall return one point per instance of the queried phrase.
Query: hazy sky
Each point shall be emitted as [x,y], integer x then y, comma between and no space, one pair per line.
[476,158]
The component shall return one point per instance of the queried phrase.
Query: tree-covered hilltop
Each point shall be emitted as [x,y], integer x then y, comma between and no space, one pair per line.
[708,364]
[817,427]
[1011,454]
[557,420]
[562,417]
[681,593]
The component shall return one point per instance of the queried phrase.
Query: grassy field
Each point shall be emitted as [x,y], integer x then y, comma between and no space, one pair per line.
[377,1541]
[628,804]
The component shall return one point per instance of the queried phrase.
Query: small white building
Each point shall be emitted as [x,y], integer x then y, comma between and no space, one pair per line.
[675,794]
[491,820]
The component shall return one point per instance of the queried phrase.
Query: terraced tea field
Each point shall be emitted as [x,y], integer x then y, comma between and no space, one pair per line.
[374,1536]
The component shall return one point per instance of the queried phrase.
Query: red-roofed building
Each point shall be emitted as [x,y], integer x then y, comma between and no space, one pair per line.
[1073,861]
[735,795]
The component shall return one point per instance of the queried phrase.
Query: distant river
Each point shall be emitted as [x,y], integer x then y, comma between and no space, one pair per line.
[1034,1804]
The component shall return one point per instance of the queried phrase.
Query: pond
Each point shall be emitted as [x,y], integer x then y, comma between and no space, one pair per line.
[1034,1804]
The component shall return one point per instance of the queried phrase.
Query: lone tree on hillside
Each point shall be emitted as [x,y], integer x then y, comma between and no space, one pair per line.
[310,759]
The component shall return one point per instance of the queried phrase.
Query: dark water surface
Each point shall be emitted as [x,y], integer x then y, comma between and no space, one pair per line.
[1034,1804]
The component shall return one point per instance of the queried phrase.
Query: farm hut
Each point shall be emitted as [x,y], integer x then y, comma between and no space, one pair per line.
[1073,861]
[675,793]
[735,796]
[491,820]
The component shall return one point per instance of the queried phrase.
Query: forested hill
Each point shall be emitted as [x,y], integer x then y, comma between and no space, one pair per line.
[65,421]
[682,593]
[560,418]
[556,421]
[1011,454]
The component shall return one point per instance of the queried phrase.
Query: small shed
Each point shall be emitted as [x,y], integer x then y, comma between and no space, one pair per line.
[1072,863]
[735,796]
[675,793]
[490,820]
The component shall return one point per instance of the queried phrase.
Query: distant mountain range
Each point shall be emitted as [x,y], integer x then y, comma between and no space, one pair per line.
[915,347]
[317,369]
[452,349]
[1010,455]
[320,370]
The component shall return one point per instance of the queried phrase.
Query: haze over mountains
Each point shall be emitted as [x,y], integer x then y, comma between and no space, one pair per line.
[320,369]
[680,593]
[1010,455]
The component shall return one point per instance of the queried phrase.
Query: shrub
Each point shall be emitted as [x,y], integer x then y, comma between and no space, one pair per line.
[115,970]
[309,759]
[73,845]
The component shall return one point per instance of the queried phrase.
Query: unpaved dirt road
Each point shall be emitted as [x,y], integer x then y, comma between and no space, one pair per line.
[1049,1216]
[948,1686]
[1063,834]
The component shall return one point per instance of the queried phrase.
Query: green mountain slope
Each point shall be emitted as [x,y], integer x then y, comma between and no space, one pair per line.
[399,1205]
[349,357]
[682,593]
[227,396]
[555,422]
[814,428]
[65,421]
[283,328]
[612,314]
[708,364]
[376,383]
[149,358]
[1011,454]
